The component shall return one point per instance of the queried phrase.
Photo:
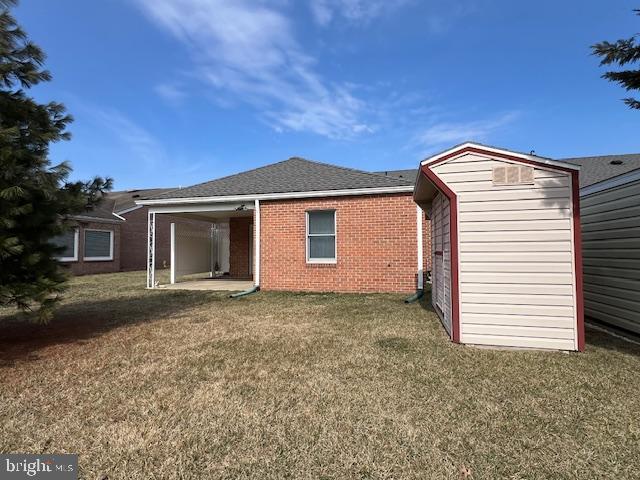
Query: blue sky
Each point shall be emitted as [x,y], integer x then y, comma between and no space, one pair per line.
[175,92]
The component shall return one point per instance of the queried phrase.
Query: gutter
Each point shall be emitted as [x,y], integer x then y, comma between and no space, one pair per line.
[280,196]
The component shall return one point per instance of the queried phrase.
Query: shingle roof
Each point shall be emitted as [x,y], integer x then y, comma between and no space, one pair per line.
[102,211]
[408,174]
[600,168]
[292,175]
[125,199]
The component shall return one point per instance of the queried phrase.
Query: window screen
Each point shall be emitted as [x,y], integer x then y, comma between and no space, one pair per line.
[97,244]
[321,237]
[68,242]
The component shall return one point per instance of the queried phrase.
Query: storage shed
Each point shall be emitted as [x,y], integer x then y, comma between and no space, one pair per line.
[610,197]
[507,266]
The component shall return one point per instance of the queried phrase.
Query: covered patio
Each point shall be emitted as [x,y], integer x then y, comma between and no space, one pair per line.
[213,246]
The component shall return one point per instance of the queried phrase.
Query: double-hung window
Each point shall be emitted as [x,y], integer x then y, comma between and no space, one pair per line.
[68,241]
[98,245]
[321,236]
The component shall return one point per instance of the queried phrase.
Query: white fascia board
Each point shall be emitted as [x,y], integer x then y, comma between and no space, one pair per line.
[614,182]
[532,158]
[127,210]
[279,196]
[88,218]
[209,207]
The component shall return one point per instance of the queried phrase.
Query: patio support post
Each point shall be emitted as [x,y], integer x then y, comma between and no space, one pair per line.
[256,239]
[173,253]
[420,248]
[151,250]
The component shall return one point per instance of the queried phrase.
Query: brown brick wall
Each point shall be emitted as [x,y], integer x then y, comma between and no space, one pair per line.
[85,267]
[376,245]
[239,247]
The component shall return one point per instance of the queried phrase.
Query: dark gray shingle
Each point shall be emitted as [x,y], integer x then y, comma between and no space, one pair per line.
[408,174]
[600,168]
[292,175]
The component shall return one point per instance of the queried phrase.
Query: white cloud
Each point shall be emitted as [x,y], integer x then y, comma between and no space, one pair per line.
[352,10]
[139,144]
[448,133]
[171,92]
[248,49]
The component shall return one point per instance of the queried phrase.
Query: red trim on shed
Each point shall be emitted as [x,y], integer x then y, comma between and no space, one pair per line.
[504,155]
[577,250]
[453,240]
[450,194]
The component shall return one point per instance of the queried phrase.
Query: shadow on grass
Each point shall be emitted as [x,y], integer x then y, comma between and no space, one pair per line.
[75,323]
[600,339]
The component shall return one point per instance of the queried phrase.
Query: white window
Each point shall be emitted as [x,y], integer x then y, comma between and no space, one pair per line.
[69,241]
[321,236]
[98,245]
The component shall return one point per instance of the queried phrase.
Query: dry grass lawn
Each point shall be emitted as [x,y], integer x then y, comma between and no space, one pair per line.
[172,384]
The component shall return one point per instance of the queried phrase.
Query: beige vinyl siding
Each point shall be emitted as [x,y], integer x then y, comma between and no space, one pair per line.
[516,256]
[611,255]
[441,265]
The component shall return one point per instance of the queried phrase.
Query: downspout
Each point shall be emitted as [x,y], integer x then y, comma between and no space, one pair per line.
[416,296]
[420,280]
[253,289]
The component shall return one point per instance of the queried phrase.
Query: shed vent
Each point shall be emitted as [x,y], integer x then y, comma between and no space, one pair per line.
[513,175]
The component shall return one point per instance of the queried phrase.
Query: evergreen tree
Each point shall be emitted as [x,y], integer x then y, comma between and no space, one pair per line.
[36,198]
[621,52]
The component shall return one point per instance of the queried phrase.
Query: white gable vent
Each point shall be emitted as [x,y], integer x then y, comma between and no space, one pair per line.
[512,175]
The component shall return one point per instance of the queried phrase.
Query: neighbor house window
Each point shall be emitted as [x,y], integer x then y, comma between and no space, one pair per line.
[69,242]
[98,245]
[321,236]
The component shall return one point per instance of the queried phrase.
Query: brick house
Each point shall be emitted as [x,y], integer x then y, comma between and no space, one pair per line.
[92,245]
[297,225]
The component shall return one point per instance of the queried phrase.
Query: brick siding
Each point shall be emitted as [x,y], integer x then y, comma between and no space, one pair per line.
[87,267]
[376,245]
[239,247]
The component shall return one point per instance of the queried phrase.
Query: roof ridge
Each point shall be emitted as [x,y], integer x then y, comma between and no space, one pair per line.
[351,169]
[238,173]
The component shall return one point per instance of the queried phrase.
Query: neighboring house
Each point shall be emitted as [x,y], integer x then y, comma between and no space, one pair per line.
[610,211]
[93,244]
[301,225]
[112,237]
[507,267]
[133,253]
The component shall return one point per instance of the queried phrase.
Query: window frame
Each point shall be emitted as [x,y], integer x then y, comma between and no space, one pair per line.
[84,245]
[76,247]
[329,261]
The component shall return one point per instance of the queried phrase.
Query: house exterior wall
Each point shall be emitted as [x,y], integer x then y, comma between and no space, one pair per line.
[516,256]
[376,245]
[611,254]
[87,267]
[239,247]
